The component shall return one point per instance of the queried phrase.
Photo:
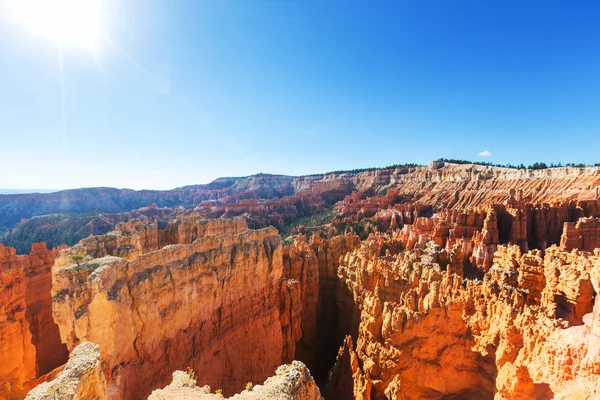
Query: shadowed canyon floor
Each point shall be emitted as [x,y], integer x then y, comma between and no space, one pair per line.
[440,282]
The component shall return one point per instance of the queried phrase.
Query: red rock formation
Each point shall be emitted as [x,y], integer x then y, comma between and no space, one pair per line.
[18,355]
[345,374]
[219,305]
[569,292]
[469,186]
[330,317]
[50,352]
[426,333]
[136,237]
[29,339]
[290,317]
[60,229]
[532,275]
[583,235]
[301,265]
[486,242]
[82,378]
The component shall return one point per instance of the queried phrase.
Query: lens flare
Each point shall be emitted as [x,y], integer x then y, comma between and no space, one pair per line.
[67,23]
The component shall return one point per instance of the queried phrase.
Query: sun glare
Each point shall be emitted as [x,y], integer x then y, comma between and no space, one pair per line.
[68,23]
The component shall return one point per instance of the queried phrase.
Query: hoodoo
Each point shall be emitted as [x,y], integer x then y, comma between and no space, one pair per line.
[448,281]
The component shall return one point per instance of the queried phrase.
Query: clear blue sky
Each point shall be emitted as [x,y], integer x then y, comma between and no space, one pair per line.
[226,88]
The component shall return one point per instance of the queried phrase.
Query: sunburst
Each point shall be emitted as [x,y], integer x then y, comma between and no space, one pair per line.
[67,23]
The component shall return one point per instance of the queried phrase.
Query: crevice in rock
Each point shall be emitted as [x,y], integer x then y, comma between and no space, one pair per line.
[327,345]
[50,352]
[338,316]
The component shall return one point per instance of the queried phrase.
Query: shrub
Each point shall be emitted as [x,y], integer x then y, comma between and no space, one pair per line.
[249,386]
[78,258]
[191,373]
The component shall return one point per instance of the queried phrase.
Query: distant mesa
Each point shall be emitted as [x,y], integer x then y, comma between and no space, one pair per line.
[21,191]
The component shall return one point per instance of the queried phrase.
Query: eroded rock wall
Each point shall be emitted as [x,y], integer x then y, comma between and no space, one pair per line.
[213,305]
[301,265]
[526,331]
[582,235]
[29,339]
[459,289]
[82,378]
[18,354]
[136,237]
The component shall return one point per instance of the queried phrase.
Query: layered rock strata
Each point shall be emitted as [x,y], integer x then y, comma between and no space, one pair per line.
[30,344]
[582,235]
[301,265]
[425,332]
[473,282]
[137,237]
[219,305]
[452,185]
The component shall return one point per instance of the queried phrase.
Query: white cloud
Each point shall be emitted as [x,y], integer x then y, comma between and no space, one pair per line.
[485,153]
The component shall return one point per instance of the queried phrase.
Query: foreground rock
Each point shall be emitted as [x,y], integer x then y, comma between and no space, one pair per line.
[82,378]
[291,382]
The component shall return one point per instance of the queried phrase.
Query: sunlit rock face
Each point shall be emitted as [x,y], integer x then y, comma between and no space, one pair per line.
[290,382]
[301,265]
[213,305]
[425,332]
[81,378]
[137,237]
[582,235]
[30,344]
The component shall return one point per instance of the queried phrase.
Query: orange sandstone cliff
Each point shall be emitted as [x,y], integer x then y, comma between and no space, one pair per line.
[425,332]
[83,378]
[212,305]
[30,344]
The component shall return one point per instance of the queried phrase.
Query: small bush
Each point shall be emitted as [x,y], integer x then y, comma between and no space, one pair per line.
[191,373]
[219,391]
[249,386]
[78,258]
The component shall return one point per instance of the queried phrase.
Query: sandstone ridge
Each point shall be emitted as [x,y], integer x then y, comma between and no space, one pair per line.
[183,305]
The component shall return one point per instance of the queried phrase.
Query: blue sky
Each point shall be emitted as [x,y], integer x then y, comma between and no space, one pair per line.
[221,88]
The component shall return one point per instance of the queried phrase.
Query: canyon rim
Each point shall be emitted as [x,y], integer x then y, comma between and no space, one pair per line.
[447,281]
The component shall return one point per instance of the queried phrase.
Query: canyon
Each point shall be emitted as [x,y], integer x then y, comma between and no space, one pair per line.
[447,281]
